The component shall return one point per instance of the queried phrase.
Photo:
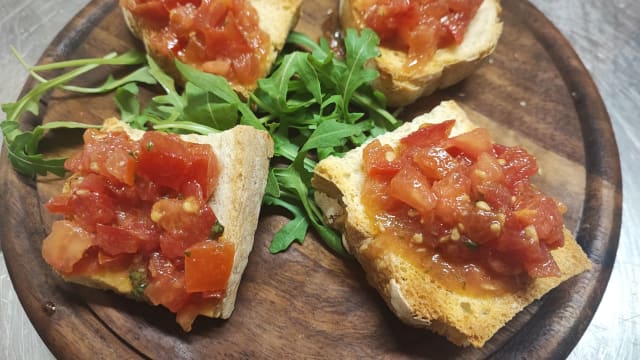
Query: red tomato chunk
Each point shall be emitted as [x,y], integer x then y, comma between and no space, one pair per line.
[418,27]
[222,37]
[130,200]
[463,207]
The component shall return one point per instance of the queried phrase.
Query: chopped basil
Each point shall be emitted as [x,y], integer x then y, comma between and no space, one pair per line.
[139,282]
[216,230]
[470,244]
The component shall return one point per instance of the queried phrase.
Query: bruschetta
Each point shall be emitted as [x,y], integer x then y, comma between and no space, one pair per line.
[447,224]
[425,45]
[237,39]
[159,217]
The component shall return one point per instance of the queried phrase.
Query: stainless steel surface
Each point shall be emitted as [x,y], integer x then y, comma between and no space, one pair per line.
[606,36]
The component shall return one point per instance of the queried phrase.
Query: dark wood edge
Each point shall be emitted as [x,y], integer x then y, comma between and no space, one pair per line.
[603,187]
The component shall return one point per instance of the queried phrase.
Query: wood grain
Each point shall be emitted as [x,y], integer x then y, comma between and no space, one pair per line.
[307,302]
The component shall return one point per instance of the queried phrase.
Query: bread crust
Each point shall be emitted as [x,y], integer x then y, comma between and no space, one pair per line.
[410,292]
[243,154]
[276,18]
[448,66]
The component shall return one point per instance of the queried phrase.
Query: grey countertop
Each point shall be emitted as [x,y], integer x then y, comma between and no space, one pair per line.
[606,36]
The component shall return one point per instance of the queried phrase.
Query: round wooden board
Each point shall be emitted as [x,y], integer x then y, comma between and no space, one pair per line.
[307,302]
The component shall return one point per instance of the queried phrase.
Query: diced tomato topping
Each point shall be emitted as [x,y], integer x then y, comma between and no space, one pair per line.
[109,154]
[166,286]
[435,163]
[379,160]
[418,27]
[520,165]
[429,134]
[413,188]
[168,161]
[207,266]
[220,37]
[467,202]
[185,222]
[66,245]
[163,159]
[471,144]
[145,200]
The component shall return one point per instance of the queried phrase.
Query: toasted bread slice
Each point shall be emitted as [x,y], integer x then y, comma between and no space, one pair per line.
[276,18]
[243,155]
[403,85]
[410,292]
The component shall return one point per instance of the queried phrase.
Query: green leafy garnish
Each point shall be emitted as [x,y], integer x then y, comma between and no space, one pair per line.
[22,146]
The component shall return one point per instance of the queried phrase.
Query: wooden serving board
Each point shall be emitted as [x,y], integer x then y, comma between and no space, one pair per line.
[307,302]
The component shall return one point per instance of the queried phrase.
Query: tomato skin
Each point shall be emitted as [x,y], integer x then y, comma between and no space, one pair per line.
[65,245]
[208,265]
[472,143]
[166,286]
[167,161]
[377,160]
[163,159]
[412,188]
[418,27]
[429,134]
[185,222]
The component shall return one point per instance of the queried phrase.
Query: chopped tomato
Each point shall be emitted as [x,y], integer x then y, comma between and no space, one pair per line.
[429,134]
[115,240]
[453,197]
[220,37]
[413,188]
[163,159]
[477,207]
[472,143]
[66,245]
[207,266]
[519,165]
[168,161]
[435,163]
[185,222]
[418,27]
[109,154]
[145,200]
[379,160]
[166,286]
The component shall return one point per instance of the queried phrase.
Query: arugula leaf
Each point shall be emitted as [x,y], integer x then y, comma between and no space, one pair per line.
[220,88]
[330,133]
[294,230]
[22,146]
[316,104]
[140,75]
[202,108]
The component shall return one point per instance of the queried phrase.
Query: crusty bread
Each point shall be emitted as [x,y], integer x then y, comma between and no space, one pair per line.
[448,66]
[410,292]
[243,155]
[276,18]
